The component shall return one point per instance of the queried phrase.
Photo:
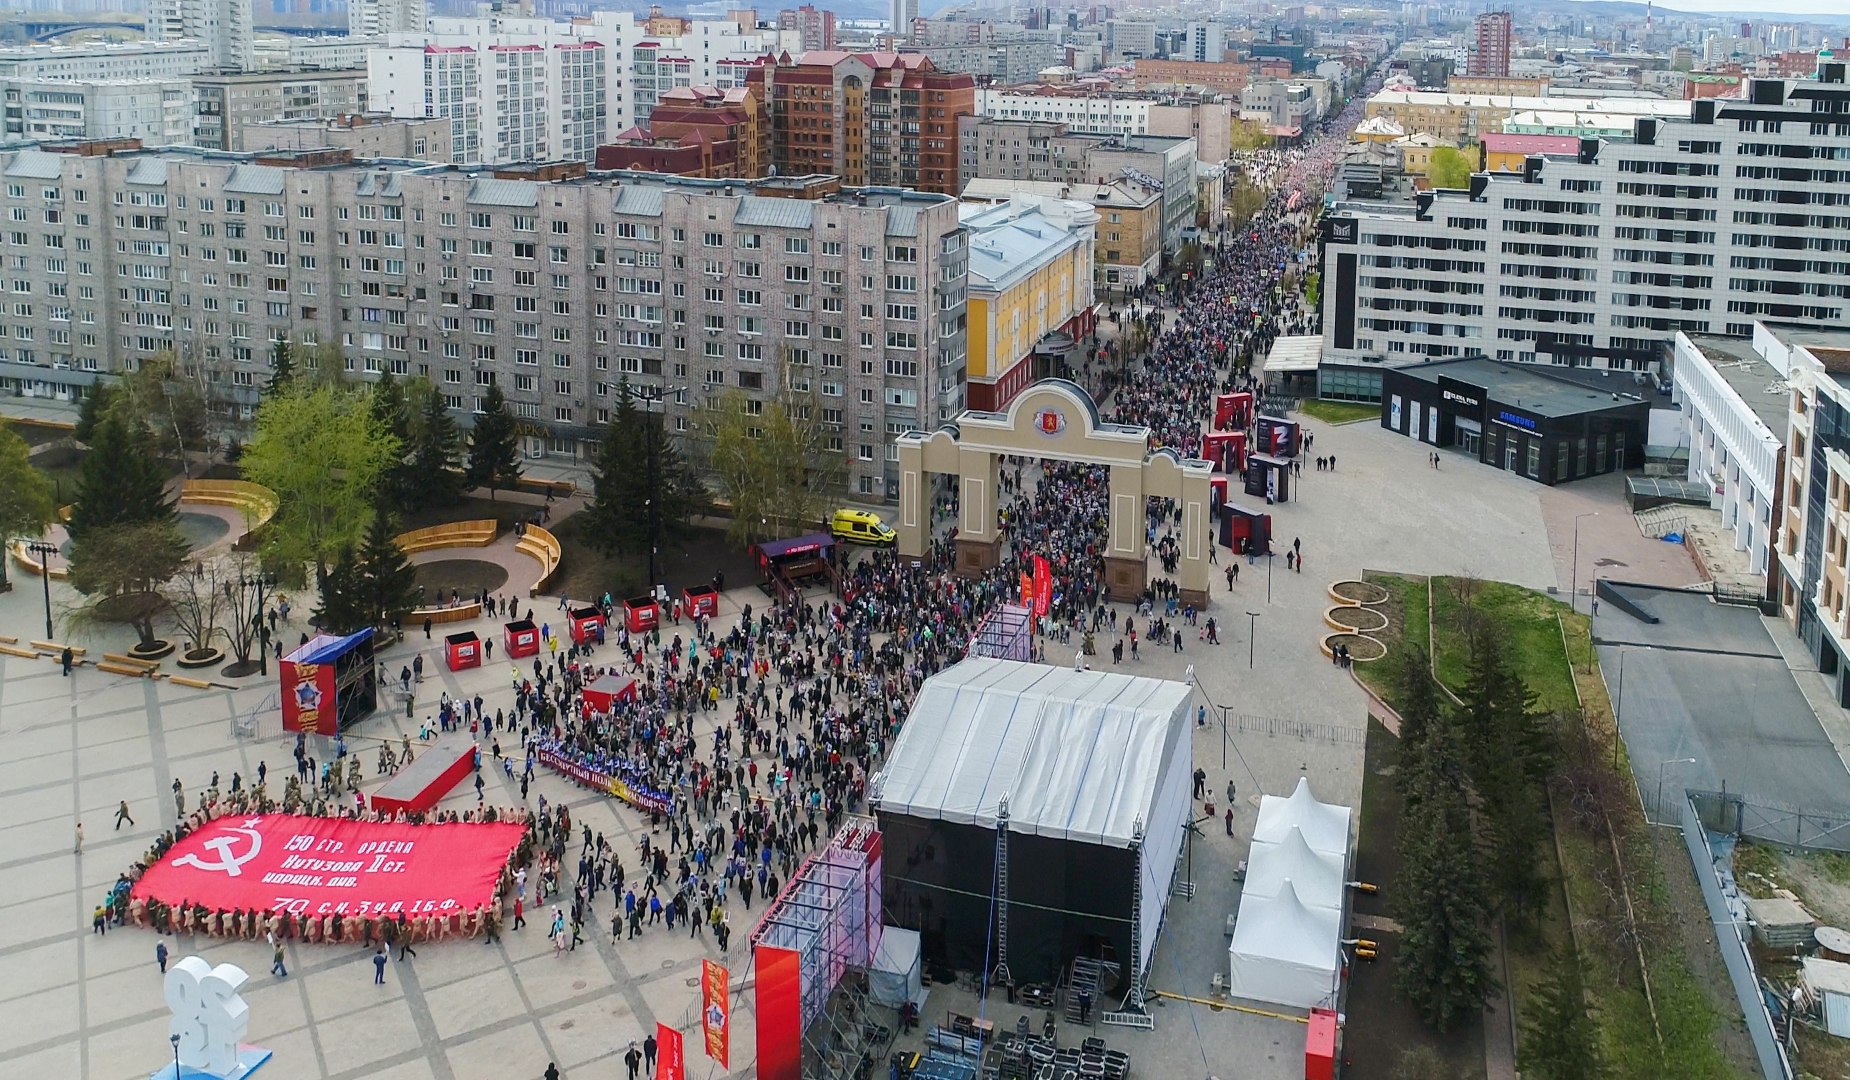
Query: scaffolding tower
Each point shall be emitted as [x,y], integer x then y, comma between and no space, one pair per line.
[1006,633]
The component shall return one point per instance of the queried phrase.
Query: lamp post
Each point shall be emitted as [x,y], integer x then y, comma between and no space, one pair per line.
[259,581]
[1252,636]
[1660,780]
[175,1040]
[649,396]
[1618,709]
[44,550]
[1573,587]
[1268,570]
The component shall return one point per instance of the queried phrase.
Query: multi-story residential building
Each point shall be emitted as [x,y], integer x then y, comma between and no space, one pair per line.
[1129,40]
[1462,118]
[1030,292]
[1129,235]
[553,291]
[1034,150]
[1812,575]
[1702,225]
[1734,419]
[1156,161]
[106,60]
[225,103]
[331,53]
[1209,123]
[1227,76]
[223,25]
[376,18]
[1277,103]
[156,111]
[1206,43]
[882,119]
[696,131]
[1003,63]
[518,88]
[817,28]
[1088,113]
[365,135]
[901,15]
[1490,55]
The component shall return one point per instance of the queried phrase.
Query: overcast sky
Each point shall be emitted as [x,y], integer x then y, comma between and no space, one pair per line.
[1835,8]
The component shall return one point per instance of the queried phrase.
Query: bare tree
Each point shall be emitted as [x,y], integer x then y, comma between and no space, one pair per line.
[243,616]
[196,603]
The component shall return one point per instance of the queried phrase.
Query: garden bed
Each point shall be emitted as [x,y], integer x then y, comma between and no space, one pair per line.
[1362,648]
[1360,620]
[1366,593]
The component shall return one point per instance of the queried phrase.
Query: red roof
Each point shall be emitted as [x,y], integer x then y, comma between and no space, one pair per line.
[1502,143]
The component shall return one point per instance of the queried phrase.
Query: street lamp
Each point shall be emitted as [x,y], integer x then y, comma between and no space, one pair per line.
[1660,780]
[1268,571]
[175,1040]
[649,396]
[1573,587]
[45,550]
[1252,635]
[260,582]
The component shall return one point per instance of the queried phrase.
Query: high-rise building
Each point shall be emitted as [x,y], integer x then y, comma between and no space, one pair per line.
[555,291]
[370,17]
[1205,43]
[158,112]
[225,103]
[1490,54]
[902,13]
[224,25]
[879,119]
[817,27]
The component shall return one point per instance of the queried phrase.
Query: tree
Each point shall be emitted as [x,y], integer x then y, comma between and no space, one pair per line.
[1248,135]
[323,452]
[762,462]
[494,446]
[388,582]
[197,600]
[282,370]
[26,503]
[96,403]
[398,487]
[1449,168]
[1244,201]
[436,447]
[120,483]
[342,609]
[1560,1040]
[120,568]
[645,491]
[1440,898]
[243,627]
[1511,749]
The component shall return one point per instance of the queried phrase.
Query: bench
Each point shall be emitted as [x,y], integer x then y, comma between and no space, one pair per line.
[123,660]
[256,502]
[543,546]
[51,646]
[478,533]
[124,669]
[438,615]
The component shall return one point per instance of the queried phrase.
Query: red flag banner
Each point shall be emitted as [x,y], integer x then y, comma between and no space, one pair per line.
[715,1016]
[1027,591]
[1043,586]
[671,1062]
[332,866]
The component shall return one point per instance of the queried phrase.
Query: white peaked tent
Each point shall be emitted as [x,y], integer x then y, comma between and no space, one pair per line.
[1316,877]
[1285,952]
[1325,826]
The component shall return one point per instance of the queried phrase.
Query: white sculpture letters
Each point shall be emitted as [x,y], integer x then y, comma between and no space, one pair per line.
[209,1017]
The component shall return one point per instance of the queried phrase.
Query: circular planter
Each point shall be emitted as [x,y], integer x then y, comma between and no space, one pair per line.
[1355,620]
[1357,592]
[1362,648]
[240,669]
[199,658]
[155,651]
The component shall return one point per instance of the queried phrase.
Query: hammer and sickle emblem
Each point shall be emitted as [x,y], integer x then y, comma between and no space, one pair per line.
[227,864]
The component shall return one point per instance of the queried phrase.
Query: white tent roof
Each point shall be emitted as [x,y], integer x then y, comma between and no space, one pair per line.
[1316,877]
[1285,952]
[1081,755]
[1325,827]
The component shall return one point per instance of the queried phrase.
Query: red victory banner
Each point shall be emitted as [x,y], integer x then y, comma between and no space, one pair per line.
[715,1015]
[671,1064]
[331,866]
[1043,586]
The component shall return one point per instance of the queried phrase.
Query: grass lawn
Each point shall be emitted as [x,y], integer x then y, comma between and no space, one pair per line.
[467,509]
[1407,616]
[1340,412]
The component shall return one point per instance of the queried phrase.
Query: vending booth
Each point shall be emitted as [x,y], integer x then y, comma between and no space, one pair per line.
[462,650]
[1225,450]
[1232,412]
[1243,530]
[700,601]
[641,613]
[1217,491]
[1278,437]
[586,624]
[608,691]
[1268,477]
[522,638]
[329,683]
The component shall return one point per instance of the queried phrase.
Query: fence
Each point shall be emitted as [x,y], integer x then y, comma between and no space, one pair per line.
[1740,595]
[1302,730]
[1734,814]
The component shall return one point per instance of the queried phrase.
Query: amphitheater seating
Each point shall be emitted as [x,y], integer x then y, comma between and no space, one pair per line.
[256,501]
[478,533]
[543,546]
[30,563]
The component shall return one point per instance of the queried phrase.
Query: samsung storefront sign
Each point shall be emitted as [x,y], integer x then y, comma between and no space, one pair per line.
[1515,420]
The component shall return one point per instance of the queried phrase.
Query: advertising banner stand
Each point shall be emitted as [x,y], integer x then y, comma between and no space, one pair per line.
[641,613]
[462,650]
[522,639]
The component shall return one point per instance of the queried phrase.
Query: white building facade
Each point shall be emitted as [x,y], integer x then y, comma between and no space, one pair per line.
[1733,450]
[1087,115]
[119,60]
[224,25]
[159,112]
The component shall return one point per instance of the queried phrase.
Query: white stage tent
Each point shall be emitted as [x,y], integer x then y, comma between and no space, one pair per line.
[1287,940]
[1097,768]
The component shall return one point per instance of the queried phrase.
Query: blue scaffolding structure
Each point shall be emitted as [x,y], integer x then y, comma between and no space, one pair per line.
[1006,633]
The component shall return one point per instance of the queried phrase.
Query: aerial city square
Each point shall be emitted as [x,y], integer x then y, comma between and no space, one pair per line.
[777,501]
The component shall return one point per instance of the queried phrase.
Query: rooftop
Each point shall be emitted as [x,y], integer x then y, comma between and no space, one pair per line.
[1757,381]
[1123,193]
[1525,386]
[1011,241]
[1298,352]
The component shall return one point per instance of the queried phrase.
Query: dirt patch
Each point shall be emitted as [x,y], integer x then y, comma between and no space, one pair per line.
[1360,646]
[1822,880]
[1360,592]
[466,576]
[1819,1054]
[1360,619]
[1694,938]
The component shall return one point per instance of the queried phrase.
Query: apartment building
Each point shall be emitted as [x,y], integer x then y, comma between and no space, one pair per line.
[225,103]
[1490,53]
[1095,114]
[106,60]
[1812,575]
[817,28]
[1004,63]
[551,290]
[158,112]
[1129,234]
[1734,415]
[223,25]
[1226,76]
[880,119]
[365,135]
[1206,43]
[1030,150]
[1462,118]
[1166,163]
[696,132]
[1703,225]
[372,18]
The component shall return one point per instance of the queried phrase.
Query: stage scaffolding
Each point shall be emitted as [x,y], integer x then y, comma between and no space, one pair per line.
[1006,633]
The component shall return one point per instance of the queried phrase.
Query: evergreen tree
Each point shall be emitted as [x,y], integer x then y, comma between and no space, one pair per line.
[645,491]
[96,405]
[1512,750]
[1415,697]
[494,446]
[282,369]
[436,447]
[343,596]
[393,412]
[1560,1040]
[121,483]
[1440,898]
[388,580]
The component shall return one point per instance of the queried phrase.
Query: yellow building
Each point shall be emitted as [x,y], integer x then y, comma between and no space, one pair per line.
[1129,251]
[1030,291]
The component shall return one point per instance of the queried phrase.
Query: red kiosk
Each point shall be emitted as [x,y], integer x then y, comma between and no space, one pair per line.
[608,691]
[700,600]
[462,650]
[1243,530]
[641,613]
[1232,412]
[522,639]
[1217,490]
[586,624]
[1226,450]
[1320,1041]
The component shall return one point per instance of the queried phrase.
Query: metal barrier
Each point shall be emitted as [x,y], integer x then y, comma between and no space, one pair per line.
[1734,814]
[1303,730]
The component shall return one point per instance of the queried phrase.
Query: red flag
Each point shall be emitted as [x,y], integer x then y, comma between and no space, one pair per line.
[1043,585]
[715,1016]
[670,1064]
[1027,590]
